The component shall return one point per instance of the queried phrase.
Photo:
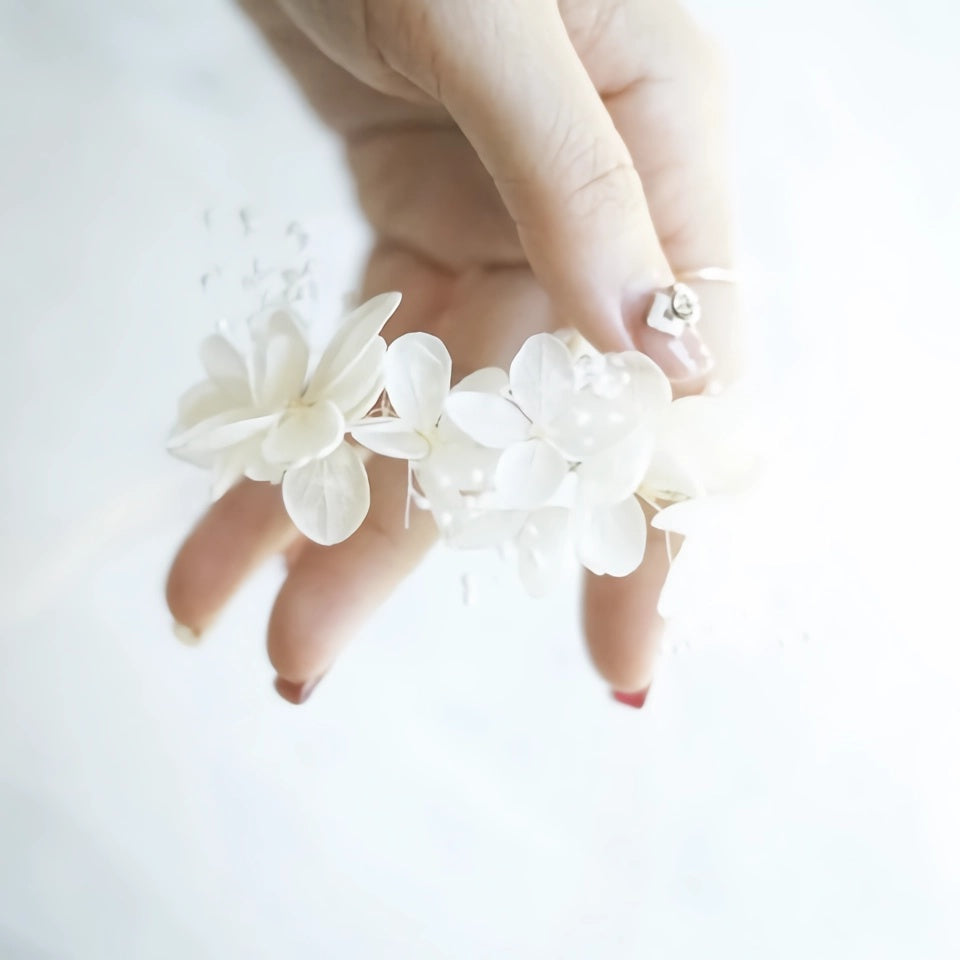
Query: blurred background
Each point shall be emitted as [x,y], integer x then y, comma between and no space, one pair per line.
[462,786]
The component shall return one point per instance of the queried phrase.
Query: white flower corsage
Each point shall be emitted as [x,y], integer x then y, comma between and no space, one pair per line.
[562,451]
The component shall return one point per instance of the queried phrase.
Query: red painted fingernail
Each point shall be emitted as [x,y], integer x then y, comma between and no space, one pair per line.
[635,700]
[295,693]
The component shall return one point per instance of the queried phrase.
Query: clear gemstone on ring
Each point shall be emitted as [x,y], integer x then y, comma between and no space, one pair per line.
[674,309]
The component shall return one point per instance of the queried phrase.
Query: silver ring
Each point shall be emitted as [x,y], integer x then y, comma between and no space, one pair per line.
[710,275]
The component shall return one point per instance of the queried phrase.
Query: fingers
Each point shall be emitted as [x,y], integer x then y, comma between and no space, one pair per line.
[331,590]
[240,530]
[540,128]
[483,318]
[667,100]
[621,623]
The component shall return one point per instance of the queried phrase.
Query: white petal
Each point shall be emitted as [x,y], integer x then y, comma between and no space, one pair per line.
[529,473]
[327,499]
[542,545]
[463,465]
[358,329]
[701,517]
[201,402]
[675,590]
[359,386]
[391,437]
[647,388]
[477,531]
[541,377]
[222,360]
[491,420]
[258,469]
[590,424]
[231,464]
[677,469]
[227,470]
[611,539]
[281,355]
[485,380]
[417,370]
[304,433]
[704,446]
[616,472]
[222,431]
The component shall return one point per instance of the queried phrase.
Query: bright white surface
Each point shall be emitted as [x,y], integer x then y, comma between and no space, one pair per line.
[461,787]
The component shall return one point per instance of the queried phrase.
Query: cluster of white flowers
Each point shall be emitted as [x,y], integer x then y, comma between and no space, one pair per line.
[560,451]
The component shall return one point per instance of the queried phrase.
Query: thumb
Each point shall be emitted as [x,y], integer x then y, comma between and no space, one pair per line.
[510,77]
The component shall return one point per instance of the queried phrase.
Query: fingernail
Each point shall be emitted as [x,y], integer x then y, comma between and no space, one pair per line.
[635,700]
[295,693]
[683,359]
[186,635]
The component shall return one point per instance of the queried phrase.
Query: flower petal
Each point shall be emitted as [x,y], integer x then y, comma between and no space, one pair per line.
[258,469]
[281,356]
[590,423]
[219,432]
[222,360]
[417,370]
[485,380]
[391,437]
[229,466]
[541,377]
[327,499]
[201,402]
[704,445]
[647,388]
[611,539]
[675,592]
[491,420]
[480,530]
[616,472]
[350,342]
[701,516]
[359,387]
[462,464]
[529,473]
[541,549]
[304,433]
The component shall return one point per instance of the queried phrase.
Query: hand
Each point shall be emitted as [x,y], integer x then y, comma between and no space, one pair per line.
[524,168]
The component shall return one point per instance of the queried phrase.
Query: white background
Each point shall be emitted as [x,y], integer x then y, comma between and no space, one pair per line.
[461,786]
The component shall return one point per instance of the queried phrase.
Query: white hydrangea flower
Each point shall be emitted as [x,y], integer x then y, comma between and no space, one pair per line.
[677,451]
[219,423]
[272,418]
[532,426]
[450,468]
[417,380]
[609,526]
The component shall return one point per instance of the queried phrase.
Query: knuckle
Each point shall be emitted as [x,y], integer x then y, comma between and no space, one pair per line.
[595,176]
[613,185]
[405,36]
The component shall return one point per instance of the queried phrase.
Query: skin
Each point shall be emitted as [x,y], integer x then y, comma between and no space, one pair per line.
[525,166]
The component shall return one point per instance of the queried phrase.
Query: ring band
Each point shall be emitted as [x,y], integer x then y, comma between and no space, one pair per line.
[709,274]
